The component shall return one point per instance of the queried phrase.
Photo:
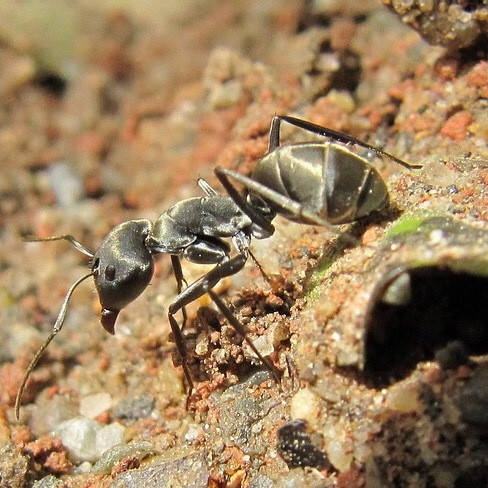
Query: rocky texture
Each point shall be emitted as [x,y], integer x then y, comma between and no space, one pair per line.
[116,120]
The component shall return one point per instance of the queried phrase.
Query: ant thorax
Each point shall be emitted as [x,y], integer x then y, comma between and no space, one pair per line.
[215,216]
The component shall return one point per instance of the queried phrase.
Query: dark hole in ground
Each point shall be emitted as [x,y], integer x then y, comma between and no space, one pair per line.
[348,76]
[430,308]
[52,83]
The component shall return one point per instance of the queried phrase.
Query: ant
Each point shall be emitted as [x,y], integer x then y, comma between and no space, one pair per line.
[316,183]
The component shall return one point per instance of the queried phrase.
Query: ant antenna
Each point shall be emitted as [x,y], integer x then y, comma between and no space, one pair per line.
[61,315]
[65,237]
[56,328]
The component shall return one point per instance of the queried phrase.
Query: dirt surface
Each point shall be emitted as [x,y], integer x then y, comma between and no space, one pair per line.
[111,112]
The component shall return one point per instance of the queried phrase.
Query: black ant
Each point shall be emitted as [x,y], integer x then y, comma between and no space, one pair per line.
[317,183]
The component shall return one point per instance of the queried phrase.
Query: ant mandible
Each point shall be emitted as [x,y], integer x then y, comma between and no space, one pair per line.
[317,183]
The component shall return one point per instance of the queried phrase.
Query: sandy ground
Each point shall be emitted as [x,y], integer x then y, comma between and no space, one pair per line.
[111,112]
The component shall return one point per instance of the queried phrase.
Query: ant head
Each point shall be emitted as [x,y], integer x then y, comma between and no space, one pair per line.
[122,268]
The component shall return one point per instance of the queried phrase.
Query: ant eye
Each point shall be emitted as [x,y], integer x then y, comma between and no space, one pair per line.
[110,272]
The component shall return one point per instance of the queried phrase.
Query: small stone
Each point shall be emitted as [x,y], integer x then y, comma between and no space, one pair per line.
[296,447]
[193,432]
[79,436]
[51,412]
[403,397]
[134,408]
[91,406]
[456,126]
[109,436]
[65,183]
[473,401]
[342,99]
[478,77]
[225,95]
[305,404]
[399,292]
[87,440]
[339,454]
[438,175]
[278,332]
[118,452]
[190,471]
[49,481]
[452,355]
[263,345]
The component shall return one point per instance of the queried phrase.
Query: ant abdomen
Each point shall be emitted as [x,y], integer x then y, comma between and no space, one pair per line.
[326,178]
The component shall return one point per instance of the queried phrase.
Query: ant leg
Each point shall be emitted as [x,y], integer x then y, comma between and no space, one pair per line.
[337,136]
[274,133]
[256,217]
[180,280]
[260,268]
[287,204]
[294,208]
[232,319]
[194,291]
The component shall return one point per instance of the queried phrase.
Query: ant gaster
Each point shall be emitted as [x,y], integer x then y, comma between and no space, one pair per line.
[317,183]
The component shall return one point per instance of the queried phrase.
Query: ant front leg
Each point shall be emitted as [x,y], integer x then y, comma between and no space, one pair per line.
[194,292]
[180,280]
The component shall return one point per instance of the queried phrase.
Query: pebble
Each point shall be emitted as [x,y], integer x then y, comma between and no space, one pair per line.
[193,432]
[87,440]
[263,345]
[109,436]
[135,407]
[403,397]
[438,175]
[91,406]
[243,415]
[51,412]
[189,471]
[65,183]
[452,355]
[49,481]
[305,404]
[339,454]
[112,456]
